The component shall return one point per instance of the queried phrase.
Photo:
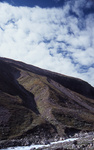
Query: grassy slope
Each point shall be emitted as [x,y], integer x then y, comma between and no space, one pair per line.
[57,105]
[31,100]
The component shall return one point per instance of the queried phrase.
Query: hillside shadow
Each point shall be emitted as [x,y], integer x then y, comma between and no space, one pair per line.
[10,85]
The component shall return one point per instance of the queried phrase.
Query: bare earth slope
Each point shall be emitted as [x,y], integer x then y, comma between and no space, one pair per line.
[38,102]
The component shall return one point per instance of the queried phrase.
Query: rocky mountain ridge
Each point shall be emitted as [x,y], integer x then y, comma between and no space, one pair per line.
[38,103]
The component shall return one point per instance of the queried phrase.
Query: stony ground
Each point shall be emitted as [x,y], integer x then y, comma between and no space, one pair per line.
[84,142]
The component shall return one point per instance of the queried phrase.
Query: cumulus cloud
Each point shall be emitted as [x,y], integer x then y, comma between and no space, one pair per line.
[57,39]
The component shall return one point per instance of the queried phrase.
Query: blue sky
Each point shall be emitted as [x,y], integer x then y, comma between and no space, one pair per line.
[57,35]
[33,3]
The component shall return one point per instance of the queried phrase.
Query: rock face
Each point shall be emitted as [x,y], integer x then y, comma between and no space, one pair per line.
[42,104]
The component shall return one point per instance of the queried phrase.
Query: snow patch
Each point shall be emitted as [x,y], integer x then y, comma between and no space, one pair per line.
[39,146]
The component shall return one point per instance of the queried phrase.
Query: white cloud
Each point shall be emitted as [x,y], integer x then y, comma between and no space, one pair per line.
[49,38]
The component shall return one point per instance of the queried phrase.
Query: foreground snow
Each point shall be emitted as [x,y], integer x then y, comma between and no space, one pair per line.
[67,140]
[39,146]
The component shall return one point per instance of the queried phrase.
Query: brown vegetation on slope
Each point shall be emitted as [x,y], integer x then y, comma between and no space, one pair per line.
[39,102]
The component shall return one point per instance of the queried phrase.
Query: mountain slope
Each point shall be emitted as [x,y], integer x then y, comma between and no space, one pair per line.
[38,102]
